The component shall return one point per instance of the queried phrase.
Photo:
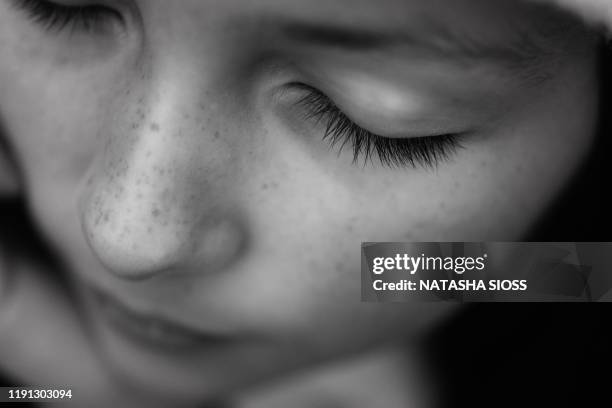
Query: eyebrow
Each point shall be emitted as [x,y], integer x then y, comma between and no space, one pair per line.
[524,50]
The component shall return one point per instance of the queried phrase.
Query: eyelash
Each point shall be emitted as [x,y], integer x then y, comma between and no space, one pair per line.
[340,130]
[53,16]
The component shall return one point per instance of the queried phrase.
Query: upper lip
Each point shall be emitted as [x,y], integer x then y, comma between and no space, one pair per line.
[148,324]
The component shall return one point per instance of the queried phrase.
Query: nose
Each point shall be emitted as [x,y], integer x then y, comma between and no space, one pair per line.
[158,196]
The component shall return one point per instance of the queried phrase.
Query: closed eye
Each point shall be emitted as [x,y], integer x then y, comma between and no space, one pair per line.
[55,16]
[342,132]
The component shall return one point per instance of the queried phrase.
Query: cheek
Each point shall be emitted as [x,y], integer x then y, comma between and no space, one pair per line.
[54,91]
[55,141]
[54,153]
[56,127]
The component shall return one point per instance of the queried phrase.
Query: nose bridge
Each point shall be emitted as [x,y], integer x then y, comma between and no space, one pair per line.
[154,199]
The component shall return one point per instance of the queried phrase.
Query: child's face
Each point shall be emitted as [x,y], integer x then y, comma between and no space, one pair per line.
[170,155]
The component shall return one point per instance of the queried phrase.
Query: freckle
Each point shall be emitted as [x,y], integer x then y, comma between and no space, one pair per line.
[149,229]
[216,134]
[148,154]
[155,212]
[264,186]
[154,127]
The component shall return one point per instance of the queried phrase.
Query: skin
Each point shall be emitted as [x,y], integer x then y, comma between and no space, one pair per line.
[594,11]
[188,185]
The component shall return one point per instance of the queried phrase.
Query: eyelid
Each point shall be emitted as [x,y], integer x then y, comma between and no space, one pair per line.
[378,120]
[340,130]
[392,108]
[54,15]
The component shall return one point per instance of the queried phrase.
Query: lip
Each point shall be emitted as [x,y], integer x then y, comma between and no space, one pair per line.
[155,331]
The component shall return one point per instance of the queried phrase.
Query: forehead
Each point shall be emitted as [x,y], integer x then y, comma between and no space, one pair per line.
[453,28]
[493,17]
[513,35]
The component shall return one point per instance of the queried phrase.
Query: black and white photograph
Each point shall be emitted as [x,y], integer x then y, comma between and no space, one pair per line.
[305,203]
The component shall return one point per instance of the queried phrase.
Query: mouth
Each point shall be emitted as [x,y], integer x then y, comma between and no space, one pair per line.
[152,330]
